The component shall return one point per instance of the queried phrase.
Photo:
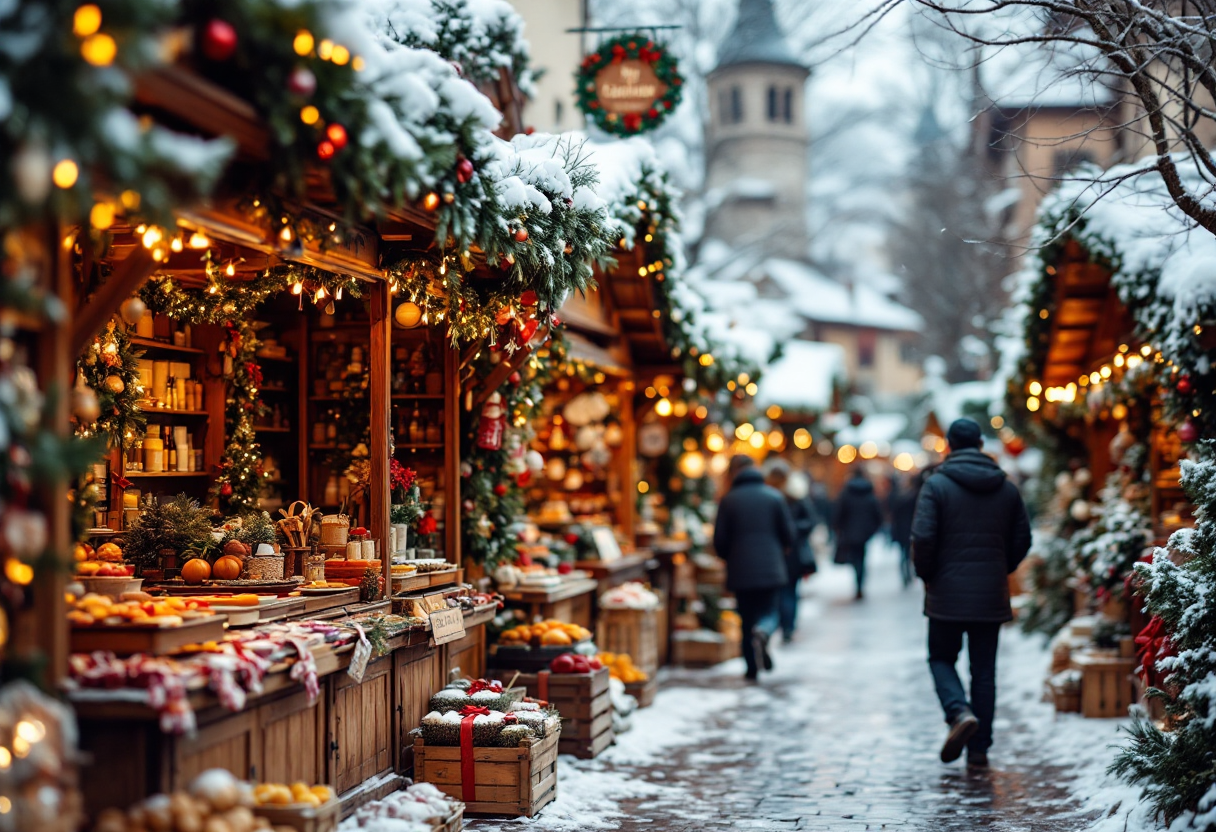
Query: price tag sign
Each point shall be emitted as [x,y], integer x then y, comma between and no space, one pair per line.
[606,545]
[446,625]
[435,602]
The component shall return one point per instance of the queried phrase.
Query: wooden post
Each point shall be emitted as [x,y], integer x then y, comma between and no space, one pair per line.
[626,457]
[380,391]
[451,453]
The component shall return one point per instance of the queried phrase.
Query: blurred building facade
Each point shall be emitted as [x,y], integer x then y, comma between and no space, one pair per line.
[556,54]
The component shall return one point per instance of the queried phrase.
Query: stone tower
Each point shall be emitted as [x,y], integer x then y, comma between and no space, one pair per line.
[757,140]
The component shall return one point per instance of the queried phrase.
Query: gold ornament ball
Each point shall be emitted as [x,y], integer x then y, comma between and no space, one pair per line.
[132,310]
[85,406]
[408,315]
[115,384]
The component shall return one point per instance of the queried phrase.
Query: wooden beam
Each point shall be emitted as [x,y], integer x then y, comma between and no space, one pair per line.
[126,279]
[380,312]
[495,379]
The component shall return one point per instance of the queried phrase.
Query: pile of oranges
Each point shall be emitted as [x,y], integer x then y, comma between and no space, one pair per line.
[621,666]
[549,633]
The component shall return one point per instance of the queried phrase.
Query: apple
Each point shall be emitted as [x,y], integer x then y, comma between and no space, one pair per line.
[565,663]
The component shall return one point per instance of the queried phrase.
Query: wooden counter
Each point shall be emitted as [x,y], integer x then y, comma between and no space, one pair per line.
[571,602]
[629,568]
[354,736]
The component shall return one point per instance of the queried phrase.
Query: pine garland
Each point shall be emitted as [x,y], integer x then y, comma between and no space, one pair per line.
[110,367]
[239,481]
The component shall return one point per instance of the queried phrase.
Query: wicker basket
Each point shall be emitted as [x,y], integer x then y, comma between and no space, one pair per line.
[334,529]
[265,568]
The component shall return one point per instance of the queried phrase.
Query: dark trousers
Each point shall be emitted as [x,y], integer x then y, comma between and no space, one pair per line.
[906,573]
[945,643]
[758,610]
[859,566]
[789,608]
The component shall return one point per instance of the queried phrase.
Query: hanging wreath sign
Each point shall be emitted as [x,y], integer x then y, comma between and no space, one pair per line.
[629,85]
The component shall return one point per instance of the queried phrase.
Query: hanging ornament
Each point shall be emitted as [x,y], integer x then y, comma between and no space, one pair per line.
[1187,432]
[85,406]
[524,479]
[535,461]
[448,197]
[1184,385]
[115,384]
[574,480]
[302,82]
[527,332]
[337,135]
[515,377]
[521,235]
[464,170]
[1015,446]
[226,490]
[1081,511]
[555,469]
[528,298]
[466,469]
[219,40]
[500,489]
[431,201]
[326,150]
[408,315]
[492,424]
[31,170]
[132,310]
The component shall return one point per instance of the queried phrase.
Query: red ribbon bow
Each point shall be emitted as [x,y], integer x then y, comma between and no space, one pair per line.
[481,684]
[120,480]
[468,770]
[474,710]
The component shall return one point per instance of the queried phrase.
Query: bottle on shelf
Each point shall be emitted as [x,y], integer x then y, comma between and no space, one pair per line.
[154,451]
[417,432]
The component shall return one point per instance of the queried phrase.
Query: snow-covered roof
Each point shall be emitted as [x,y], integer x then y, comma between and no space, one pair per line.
[818,298]
[949,400]
[804,377]
[756,38]
[877,427]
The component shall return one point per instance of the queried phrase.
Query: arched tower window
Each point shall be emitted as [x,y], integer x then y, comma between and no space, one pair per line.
[773,111]
[787,105]
[736,105]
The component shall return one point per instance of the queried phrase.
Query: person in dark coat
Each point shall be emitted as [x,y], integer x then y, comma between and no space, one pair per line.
[969,533]
[800,560]
[902,503]
[752,533]
[856,518]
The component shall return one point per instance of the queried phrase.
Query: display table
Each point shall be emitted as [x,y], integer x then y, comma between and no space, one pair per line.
[631,567]
[572,602]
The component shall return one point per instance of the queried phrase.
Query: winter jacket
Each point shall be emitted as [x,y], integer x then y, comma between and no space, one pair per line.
[969,532]
[856,518]
[903,506]
[752,533]
[800,560]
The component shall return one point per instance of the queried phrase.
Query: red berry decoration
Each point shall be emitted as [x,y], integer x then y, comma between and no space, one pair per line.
[524,479]
[565,568]
[514,378]
[1187,432]
[500,489]
[1185,386]
[302,82]
[337,135]
[219,40]
[528,298]
[464,170]
[521,235]
[326,150]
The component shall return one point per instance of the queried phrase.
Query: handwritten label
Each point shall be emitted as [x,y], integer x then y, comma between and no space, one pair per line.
[435,602]
[446,625]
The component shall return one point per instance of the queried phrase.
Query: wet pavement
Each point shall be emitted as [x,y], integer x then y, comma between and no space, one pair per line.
[844,735]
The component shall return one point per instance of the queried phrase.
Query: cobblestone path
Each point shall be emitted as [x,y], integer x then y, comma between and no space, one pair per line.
[844,735]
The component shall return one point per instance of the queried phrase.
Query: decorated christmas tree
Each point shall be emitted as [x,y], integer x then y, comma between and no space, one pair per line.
[1178,765]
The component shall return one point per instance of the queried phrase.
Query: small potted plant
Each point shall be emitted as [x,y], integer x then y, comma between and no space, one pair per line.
[406,506]
[164,531]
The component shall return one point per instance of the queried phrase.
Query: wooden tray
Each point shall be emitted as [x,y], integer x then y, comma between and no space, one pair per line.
[210,587]
[323,818]
[128,639]
[426,580]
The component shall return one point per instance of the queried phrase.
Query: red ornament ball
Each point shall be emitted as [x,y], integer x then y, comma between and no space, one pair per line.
[565,568]
[302,82]
[336,133]
[219,40]
[521,235]
[464,170]
[571,538]
[1185,386]
[528,298]
[1187,432]
[500,489]
[326,150]
[514,378]
[226,490]
[524,479]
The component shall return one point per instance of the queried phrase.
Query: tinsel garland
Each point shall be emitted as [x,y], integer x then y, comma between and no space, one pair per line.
[109,366]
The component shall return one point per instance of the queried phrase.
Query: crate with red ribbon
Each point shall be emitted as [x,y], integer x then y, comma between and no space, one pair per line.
[585,705]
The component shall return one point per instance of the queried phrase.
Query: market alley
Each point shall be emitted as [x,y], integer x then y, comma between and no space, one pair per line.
[844,735]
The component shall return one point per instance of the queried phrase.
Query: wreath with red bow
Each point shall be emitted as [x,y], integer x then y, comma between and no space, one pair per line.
[629,47]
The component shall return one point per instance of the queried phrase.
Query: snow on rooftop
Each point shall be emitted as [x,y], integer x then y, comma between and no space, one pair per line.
[877,427]
[821,299]
[804,377]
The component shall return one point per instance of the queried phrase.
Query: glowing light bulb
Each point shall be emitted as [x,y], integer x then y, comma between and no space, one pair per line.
[303,42]
[86,21]
[65,173]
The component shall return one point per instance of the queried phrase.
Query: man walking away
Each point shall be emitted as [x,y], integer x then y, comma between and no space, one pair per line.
[752,533]
[800,559]
[969,532]
[857,517]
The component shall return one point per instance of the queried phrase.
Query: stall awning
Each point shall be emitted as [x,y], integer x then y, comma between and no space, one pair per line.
[1087,324]
[581,348]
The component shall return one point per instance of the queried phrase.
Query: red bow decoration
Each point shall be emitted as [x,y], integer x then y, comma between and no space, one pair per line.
[120,480]
[468,771]
[481,684]
[1154,645]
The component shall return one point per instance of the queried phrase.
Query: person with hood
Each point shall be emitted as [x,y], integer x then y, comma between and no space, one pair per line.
[969,532]
[856,518]
[800,559]
[752,533]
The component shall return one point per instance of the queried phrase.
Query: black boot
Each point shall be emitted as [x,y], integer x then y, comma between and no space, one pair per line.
[760,645]
[962,728]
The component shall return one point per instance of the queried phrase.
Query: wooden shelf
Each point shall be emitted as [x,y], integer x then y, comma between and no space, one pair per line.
[164,411]
[272,389]
[425,396]
[331,399]
[146,475]
[423,447]
[270,429]
[151,344]
[286,359]
[313,447]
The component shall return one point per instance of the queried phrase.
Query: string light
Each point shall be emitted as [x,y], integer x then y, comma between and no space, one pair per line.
[303,42]
[99,49]
[86,21]
[65,173]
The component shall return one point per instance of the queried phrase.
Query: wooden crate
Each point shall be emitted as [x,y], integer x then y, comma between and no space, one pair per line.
[508,781]
[585,705]
[1106,685]
[684,580]
[1066,700]
[644,692]
[699,648]
[635,632]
